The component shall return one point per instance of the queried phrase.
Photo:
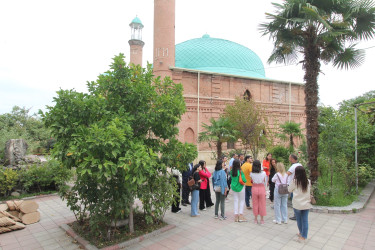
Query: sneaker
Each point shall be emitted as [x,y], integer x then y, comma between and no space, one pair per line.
[223,218]
[255,221]
[216,217]
[249,207]
[179,211]
[292,218]
[262,222]
[276,222]
[285,222]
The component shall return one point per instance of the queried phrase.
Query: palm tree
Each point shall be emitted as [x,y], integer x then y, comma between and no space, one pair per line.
[220,130]
[320,30]
[290,130]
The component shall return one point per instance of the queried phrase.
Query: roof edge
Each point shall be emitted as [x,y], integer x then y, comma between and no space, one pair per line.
[236,76]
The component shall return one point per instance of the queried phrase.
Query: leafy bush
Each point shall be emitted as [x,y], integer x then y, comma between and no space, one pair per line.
[8,180]
[45,176]
[281,154]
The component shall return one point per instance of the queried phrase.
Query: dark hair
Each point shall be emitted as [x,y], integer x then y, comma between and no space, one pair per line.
[267,156]
[294,156]
[301,178]
[236,166]
[196,166]
[247,157]
[219,165]
[240,154]
[272,166]
[202,162]
[233,154]
[257,168]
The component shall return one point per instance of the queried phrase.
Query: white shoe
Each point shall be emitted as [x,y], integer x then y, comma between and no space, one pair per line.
[285,222]
[276,222]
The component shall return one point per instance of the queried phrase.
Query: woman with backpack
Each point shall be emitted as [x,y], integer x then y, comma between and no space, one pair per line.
[219,182]
[280,179]
[238,183]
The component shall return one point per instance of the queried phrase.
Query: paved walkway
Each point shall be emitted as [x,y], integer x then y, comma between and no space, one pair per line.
[326,231]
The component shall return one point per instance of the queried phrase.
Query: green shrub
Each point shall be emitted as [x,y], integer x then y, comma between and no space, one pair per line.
[46,176]
[281,154]
[8,180]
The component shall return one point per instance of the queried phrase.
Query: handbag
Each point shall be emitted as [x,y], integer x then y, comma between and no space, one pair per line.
[217,189]
[312,199]
[283,188]
[191,182]
[240,179]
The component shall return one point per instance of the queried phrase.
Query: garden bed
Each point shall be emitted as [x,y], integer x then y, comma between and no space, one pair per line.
[121,237]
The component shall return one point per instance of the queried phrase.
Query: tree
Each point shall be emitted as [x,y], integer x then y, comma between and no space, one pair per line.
[220,131]
[290,130]
[249,121]
[320,30]
[19,124]
[121,138]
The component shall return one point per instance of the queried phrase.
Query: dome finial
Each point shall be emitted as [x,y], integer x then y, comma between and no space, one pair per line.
[206,36]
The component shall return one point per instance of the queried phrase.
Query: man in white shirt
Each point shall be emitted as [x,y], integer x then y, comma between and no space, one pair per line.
[291,172]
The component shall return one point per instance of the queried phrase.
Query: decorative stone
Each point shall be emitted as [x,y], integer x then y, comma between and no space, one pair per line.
[15,151]
[15,194]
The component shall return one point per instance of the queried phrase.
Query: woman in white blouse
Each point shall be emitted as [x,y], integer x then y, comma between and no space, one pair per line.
[300,186]
[258,178]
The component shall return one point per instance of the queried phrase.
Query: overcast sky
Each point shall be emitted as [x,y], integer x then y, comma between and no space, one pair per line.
[46,45]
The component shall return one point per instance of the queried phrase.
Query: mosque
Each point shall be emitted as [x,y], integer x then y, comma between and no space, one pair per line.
[213,72]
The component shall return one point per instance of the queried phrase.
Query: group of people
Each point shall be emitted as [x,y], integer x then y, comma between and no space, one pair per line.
[249,180]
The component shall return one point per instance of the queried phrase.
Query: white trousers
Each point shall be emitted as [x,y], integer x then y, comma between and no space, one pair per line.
[239,201]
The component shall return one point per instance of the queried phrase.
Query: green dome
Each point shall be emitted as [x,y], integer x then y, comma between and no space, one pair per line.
[137,20]
[219,56]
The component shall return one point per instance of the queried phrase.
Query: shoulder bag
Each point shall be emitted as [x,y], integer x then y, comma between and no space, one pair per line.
[240,179]
[283,188]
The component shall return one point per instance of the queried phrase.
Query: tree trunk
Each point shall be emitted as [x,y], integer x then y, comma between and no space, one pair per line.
[291,141]
[131,221]
[219,149]
[312,68]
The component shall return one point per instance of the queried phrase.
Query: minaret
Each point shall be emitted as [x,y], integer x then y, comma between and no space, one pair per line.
[164,37]
[136,43]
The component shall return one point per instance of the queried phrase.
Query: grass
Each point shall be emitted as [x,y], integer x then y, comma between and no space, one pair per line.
[120,235]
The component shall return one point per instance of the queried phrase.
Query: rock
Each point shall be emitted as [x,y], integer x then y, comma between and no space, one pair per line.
[120,223]
[15,151]
[15,194]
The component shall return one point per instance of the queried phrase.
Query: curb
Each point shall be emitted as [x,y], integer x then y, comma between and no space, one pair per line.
[355,207]
[86,245]
[33,197]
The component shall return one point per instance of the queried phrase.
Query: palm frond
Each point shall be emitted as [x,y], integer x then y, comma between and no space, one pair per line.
[349,58]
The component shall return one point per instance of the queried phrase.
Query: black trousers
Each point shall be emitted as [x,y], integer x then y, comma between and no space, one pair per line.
[176,200]
[272,189]
[185,193]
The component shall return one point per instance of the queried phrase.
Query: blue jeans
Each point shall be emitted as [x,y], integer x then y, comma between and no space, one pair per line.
[247,195]
[302,217]
[280,206]
[194,202]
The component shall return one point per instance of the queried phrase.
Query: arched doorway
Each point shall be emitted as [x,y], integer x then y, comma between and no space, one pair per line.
[189,136]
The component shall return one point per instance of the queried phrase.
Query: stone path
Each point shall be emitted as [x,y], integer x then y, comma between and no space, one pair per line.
[326,231]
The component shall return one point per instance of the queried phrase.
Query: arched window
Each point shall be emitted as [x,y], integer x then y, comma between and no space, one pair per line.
[247,95]
[189,136]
